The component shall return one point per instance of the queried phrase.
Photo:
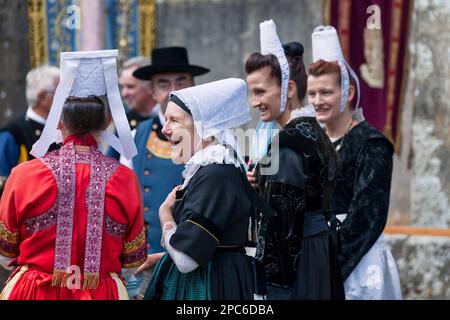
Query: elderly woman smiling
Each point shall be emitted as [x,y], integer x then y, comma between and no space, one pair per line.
[205,220]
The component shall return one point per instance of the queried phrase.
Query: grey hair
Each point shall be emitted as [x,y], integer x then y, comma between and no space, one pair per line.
[43,78]
[137,62]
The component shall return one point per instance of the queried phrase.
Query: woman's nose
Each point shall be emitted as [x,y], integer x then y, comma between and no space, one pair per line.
[317,100]
[166,129]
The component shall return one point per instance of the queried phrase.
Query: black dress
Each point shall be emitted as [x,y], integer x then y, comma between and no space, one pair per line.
[212,215]
[364,181]
[300,254]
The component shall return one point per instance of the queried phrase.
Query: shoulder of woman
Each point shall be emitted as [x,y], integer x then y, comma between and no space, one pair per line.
[216,171]
[301,134]
[371,137]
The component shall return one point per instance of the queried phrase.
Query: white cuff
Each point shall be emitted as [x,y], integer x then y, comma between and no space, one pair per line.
[169,226]
[5,262]
[183,262]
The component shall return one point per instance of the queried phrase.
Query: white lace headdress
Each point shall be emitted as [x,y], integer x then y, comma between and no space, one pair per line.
[217,107]
[84,74]
[271,44]
[326,46]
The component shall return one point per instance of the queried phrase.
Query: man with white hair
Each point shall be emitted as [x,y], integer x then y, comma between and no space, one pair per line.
[18,136]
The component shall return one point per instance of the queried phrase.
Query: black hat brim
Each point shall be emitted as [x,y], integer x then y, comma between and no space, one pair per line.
[145,73]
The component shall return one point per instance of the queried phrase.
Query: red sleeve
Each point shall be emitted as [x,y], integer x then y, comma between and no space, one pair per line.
[9,227]
[125,202]
[22,199]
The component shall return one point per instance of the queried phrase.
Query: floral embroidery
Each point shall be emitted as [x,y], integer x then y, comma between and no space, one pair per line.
[42,221]
[8,242]
[62,165]
[115,228]
[135,252]
[102,167]
[7,235]
[135,244]
[83,157]
[136,258]
[307,130]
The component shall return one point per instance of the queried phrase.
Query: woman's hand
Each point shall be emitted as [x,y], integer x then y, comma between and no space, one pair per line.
[253,179]
[165,210]
[152,260]
[170,200]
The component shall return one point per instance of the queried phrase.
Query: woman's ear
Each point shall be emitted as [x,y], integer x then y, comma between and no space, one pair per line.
[292,89]
[351,94]
[62,128]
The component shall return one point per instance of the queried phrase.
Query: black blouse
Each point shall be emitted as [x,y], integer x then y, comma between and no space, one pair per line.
[362,192]
[303,184]
[213,210]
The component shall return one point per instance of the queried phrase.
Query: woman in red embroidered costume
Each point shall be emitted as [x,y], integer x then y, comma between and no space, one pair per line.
[70,220]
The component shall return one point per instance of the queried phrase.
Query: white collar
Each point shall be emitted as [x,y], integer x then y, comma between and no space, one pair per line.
[32,115]
[306,111]
[215,153]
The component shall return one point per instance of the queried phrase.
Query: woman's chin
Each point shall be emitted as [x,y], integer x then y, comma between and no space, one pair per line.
[322,118]
[178,157]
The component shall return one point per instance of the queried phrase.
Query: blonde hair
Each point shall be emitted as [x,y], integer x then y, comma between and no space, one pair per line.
[43,78]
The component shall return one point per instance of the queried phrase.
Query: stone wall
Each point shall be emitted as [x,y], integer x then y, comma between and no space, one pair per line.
[424,262]
[13,58]
[221,34]
[13,65]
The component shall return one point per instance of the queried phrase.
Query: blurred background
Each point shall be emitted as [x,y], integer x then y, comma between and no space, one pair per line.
[399,48]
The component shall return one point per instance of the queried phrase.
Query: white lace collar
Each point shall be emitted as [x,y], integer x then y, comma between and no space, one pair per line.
[306,111]
[215,153]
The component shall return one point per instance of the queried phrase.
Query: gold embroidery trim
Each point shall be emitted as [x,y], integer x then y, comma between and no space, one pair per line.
[135,244]
[158,147]
[134,264]
[7,235]
[37,32]
[207,231]
[147,27]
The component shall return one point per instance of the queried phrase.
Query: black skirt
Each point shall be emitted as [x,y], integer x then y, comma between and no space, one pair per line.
[318,274]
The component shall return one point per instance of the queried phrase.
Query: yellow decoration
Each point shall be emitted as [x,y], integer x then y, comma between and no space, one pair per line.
[37,32]
[7,235]
[23,154]
[158,147]
[131,246]
[147,27]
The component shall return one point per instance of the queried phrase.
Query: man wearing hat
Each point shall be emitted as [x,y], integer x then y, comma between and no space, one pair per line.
[157,174]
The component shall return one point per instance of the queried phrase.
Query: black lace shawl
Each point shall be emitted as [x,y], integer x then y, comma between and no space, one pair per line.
[362,191]
[304,183]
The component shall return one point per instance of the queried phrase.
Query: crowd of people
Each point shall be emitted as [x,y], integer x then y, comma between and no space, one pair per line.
[173,210]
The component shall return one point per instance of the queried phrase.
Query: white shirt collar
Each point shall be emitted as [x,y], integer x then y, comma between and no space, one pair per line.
[215,153]
[306,111]
[32,115]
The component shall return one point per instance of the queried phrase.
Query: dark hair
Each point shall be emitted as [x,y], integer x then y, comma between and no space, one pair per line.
[294,56]
[85,115]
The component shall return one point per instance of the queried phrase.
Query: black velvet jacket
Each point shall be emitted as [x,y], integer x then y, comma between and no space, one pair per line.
[362,191]
[304,183]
